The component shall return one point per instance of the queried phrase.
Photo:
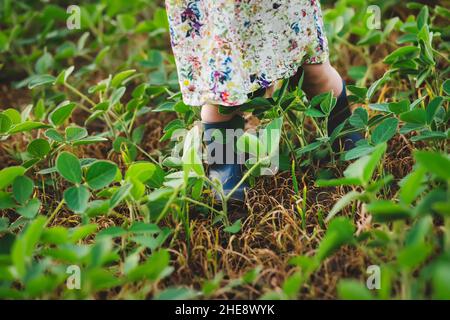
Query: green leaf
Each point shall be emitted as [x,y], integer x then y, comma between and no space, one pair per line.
[446,87]
[359,119]
[340,232]
[387,211]
[342,203]
[116,96]
[403,53]
[153,269]
[26,126]
[364,167]
[441,281]
[13,115]
[81,232]
[77,198]
[75,133]
[6,201]
[5,123]
[22,189]
[180,293]
[358,152]
[417,116]
[434,162]
[399,107]
[40,80]
[412,185]
[432,108]
[120,195]
[69,167]
[339,182]
[62,77]
[30,210]
[120,77]
[422,18]
[54,135]
[270,136]
[39,148]
[61,113]
[413,256]
[141,171]
[101,174]
[8,175]
[385,131]
[353,290]
[235,227]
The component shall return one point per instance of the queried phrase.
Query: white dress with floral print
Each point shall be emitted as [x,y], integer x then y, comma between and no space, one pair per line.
[226,49]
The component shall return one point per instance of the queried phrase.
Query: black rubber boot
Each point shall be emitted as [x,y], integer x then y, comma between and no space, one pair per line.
[225,163]
[340,113]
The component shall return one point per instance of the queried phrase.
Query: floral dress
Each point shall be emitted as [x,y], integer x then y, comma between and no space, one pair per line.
[227,49]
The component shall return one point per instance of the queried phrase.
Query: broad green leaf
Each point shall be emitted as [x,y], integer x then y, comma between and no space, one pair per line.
[432,108]
[26,126]
[40,80]
[153,269]
[353,290]
[412,185]
[22,189]
[30,210]
[270,136]
[385,131]
[364,167]
[235,227]
[54,135]
[64,75]
[8,175]
[441,281]
[434,162]
[101,174]
[75,133]
[62,112]
[116,96]
[406,52]
[5,123]
[342,203]
[6,201]
[399,107]
[68,166]
[387,211]
[413,256]
[141,171]
[81,232]
[340,232]
[120,77]
[120,195]
[359,118]
[13,115]
[39,148]
[77,198]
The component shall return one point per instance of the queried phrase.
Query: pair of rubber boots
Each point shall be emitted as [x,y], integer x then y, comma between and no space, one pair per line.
[226,162]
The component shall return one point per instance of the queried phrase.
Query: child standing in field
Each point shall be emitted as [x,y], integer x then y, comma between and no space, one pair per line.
[227,49]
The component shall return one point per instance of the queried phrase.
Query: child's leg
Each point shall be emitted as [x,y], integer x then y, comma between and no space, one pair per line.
[210,113]
[223,159]
[320,78]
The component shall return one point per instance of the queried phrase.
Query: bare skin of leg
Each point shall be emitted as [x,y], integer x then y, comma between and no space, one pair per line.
[318,78]
[210,114]
[321,78]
